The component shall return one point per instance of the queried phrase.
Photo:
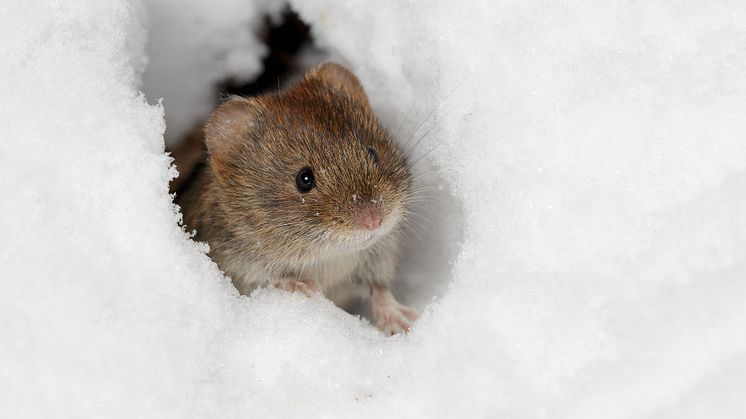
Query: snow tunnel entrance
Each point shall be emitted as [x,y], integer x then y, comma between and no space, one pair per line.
[289,51]
[434,231]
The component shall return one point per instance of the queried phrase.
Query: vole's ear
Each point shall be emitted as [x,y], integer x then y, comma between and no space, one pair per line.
[340,78]
[230,124]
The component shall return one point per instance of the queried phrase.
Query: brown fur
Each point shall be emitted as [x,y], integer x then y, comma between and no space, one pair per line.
[260,228]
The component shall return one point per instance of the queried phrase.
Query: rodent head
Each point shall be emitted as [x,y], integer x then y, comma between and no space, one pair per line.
[307,171]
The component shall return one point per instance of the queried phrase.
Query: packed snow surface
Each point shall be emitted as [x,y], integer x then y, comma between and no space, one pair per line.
[596,151]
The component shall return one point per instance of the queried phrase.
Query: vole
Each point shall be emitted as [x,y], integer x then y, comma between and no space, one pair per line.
[304,190]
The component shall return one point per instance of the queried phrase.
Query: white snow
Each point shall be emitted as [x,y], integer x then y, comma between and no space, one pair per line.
[195,44]
[596,152]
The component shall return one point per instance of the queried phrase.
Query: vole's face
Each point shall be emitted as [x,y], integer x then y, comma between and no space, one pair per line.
[310,172]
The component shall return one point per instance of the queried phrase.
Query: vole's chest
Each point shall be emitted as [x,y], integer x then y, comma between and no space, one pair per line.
[331,272]
[334,270]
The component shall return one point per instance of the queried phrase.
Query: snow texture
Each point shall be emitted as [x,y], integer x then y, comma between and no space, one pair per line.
[596,152]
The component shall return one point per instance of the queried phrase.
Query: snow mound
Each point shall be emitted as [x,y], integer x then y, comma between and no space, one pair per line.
[597,153]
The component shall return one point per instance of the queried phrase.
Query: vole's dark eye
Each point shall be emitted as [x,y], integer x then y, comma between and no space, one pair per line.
[304,180]
[373,154]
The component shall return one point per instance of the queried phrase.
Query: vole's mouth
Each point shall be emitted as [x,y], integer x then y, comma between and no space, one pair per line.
[362,238]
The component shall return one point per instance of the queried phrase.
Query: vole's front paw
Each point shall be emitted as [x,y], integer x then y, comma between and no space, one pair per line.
[393,320]
[391,317]
[307,286]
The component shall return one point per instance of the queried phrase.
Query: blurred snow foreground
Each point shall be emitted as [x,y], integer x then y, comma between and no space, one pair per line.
[598,152]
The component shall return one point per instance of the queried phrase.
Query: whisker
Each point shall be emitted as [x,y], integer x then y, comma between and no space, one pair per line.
[421,197]
[411,228]
[406,116]
[419,159]
[421,175]
[420,190]
[409,150]
[423,219]
[432,111]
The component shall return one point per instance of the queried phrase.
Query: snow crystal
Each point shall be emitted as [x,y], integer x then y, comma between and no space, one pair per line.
[596,152]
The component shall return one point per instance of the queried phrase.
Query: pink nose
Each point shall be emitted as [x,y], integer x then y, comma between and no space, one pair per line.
[369,218]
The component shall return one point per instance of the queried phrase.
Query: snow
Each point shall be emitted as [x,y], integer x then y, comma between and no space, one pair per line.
[591,154]
[195,44]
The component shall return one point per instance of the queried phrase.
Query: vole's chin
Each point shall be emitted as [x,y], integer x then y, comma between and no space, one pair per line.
[354,241]
[360,239]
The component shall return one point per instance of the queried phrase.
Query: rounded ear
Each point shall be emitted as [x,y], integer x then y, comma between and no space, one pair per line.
[230,124]
[340,78]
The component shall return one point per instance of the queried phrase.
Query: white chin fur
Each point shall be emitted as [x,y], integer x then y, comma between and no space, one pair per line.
[362,239]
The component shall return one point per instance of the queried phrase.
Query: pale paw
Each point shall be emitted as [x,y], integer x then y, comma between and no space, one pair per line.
[307,286]
[391,317]
[397,320]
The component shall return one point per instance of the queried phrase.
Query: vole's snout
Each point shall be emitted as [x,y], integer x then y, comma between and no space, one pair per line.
[369,217]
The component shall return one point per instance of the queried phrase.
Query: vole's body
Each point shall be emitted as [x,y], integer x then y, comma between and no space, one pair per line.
[250,204]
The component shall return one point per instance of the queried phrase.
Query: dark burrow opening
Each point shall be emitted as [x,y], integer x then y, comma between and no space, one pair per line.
[284,39]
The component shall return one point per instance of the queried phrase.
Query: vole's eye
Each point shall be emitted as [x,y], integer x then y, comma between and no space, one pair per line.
[304,180]
[373,154]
